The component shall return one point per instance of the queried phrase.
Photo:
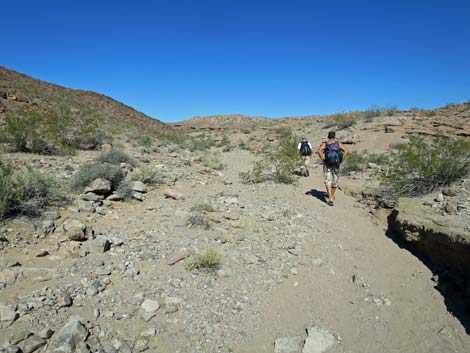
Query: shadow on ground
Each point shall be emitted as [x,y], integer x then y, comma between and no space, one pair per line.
[320,195]
[453,285]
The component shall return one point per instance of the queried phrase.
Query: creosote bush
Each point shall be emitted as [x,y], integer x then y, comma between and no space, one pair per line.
[210,261]
[25,191]
[340,121]
[116,156]
[420,166]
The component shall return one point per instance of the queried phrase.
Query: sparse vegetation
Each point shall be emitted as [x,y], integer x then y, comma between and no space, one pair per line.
[340,121]
[199,219]
[93,170]
[210,159]
[420,166]
[116,156]
[279,165]
[203,206]
[25,191]
[199,144]
[357,161]
[210,260]
[148,175]
[146,143]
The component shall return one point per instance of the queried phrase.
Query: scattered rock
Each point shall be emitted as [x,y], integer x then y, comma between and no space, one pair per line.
[69,337]
[289,345]
[31,344]
[51,215]
[91,197]
[84,206]
[42,253]
[138,186]
[99,245]
[137,196]
[439,198]
[318,340]
[46,333]
[99,186]
[115,197]
[150,305]
[172,194]
[8,315]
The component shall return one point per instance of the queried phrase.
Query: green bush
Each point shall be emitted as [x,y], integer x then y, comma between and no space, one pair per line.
[22,132]
[208,261]
[25,192]
[146,142]
[93,170]
[210,159]
[116,156]
[340,121]
[420,166]
[354,162]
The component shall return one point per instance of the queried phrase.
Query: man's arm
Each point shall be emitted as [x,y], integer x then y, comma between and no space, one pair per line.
[320,151]
[344,149]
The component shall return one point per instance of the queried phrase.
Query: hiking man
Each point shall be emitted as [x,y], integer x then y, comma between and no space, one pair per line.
[304,149]
[331,153]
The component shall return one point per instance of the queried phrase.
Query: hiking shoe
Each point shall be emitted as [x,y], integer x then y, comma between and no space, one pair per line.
[330,203]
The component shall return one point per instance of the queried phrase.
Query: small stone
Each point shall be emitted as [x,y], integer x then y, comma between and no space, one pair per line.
[115,197]
[439,198]
[141,345]
[96,313]
[137,196]
[150,305]
[8,315]
[42,253]
[318,340]
[138,186]
[90,196]
[289,344]
[19,337]
[233,216]
[172,194]
[46,333]
[69,337]
[150,332]
[66,301]
[31,344]
[99,245]
[51,215]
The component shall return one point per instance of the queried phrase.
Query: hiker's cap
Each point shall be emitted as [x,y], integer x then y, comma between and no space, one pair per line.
[331,135]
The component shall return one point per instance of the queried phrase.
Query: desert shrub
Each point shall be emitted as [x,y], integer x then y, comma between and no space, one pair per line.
[200,206]
[199,144]
[116,156]
[420,166]
[199,219]
[125,189]
[25,191]
[256,175]
[340,121]
[354,162]
[210,260]
[147,175]
[210,159]
[93,170]
[146,142]
[21,131]
[279,165]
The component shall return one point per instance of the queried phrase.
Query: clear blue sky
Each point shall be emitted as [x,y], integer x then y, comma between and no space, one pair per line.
[176,59]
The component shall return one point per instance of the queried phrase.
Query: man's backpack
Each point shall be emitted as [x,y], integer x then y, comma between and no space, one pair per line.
[305,149]
[333,154]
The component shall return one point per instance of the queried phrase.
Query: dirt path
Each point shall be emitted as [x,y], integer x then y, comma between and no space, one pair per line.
[410,315]
[288,260]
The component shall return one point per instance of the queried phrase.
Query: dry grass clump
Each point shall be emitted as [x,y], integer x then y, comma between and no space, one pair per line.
[210,159]
[199,219]
[210,261]
[201,206]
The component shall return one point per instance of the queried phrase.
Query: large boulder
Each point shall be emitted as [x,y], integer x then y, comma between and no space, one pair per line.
[77,231]
[8,315]
[138,186]
[318,340]
[99,186]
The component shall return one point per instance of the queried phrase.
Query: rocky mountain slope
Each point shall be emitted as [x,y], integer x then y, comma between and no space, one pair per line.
[19,93]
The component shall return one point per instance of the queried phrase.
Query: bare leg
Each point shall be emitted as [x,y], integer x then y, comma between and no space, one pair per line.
[329,192]
[333,190]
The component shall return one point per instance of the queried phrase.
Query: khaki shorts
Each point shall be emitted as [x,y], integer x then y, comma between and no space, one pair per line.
[306,160]
[330,176]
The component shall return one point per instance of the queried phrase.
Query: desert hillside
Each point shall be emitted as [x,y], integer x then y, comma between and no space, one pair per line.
[212,241]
